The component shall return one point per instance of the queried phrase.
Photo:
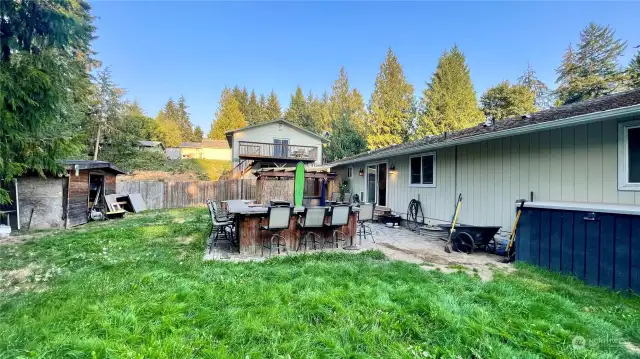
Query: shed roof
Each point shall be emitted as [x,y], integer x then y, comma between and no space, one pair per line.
[620,104]
[150,143]
[90,165]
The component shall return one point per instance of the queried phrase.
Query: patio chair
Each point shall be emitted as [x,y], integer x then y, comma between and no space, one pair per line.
[339,218]
[347,198]
[277,221]
[218,228]
[365,217]
[313,218]
[223,216]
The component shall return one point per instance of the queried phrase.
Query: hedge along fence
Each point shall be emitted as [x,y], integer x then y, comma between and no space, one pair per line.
[158,195]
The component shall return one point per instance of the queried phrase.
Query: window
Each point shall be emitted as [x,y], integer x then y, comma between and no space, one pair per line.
[629,156]
[422,170]
[349,172]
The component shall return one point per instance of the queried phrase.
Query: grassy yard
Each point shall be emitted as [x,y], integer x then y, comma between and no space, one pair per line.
[138,288]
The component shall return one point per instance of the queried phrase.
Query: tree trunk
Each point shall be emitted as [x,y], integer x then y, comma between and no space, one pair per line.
[95,150]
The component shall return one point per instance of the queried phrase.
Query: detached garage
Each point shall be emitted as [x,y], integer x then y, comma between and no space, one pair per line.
[62,200]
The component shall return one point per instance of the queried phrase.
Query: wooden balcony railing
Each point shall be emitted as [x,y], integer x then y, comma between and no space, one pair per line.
[258,150]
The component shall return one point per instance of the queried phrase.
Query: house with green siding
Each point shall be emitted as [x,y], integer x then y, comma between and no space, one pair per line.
[588,152]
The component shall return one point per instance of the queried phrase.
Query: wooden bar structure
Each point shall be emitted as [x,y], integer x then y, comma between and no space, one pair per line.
[251,238]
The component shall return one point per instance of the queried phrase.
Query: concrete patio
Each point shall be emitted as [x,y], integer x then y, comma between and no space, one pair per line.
[400,244]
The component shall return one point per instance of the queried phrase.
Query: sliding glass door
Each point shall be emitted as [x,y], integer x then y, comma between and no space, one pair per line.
[376,181]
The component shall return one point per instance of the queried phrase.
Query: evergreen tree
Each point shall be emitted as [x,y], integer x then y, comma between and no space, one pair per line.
[505,100]
[391,109]
[272,109]
[298,110]
[45,56]
[634,71]
[242,96]
[186,128]
[108,113]
[449,101]
[197,134]
[592,69]
[262,109]
[344,100]
[319,117]
[168,130]
[543,98]
[253,109]
[228,116]
[344,140]
[168,123]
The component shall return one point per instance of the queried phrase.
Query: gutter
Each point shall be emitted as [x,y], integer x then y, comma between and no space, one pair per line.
[549,125]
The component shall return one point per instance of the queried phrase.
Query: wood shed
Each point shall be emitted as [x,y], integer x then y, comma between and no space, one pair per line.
[59,200]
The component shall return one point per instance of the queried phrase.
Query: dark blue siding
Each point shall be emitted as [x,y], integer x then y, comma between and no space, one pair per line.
[545,236]
[579,245]
[567,242]
[635,255]
[534,238]
[555,255]
[607,229]
[600,248]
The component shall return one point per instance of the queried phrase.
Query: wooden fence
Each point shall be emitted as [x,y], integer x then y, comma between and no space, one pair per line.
[159,195]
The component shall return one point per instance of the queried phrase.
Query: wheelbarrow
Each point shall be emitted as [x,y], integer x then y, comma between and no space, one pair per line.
[469,238]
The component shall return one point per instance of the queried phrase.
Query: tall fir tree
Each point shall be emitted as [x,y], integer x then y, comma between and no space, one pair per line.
[345,100]
[183,120]
[543,96]
[262,109]
[45,60]
[253,109]
[319,115]
[592,69]
[198,134]
[344,140]
[298,109]
[505,100]
[391,109]
[449,101]
[272,110]
[169,126]
[242,96]
[228,116]
[634,71]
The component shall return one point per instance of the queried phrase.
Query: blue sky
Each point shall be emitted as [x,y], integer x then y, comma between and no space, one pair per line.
[162,49]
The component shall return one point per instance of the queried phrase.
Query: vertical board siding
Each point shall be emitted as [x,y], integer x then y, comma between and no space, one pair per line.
[604,251]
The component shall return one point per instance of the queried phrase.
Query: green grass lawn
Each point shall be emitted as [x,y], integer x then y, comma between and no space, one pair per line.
[138,288]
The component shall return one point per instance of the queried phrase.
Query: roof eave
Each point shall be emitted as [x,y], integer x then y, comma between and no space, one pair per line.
[549,125]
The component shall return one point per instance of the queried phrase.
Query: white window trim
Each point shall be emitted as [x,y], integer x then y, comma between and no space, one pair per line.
[350,172]
[623,156]
[423,185]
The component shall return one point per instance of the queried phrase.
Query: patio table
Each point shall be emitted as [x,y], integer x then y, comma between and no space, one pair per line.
[249,219]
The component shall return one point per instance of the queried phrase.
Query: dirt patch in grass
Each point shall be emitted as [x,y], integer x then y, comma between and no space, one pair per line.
[185,240]
[15,280]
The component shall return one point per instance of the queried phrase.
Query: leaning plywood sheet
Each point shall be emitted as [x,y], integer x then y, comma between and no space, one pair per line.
[137,203]
[112,202]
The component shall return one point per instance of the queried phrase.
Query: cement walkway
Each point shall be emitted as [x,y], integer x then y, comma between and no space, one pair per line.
[403,244]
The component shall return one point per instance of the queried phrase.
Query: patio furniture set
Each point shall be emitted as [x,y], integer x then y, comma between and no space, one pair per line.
[279,226]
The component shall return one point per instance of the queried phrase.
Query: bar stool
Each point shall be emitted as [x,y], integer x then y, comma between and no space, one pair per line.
[277,221]
[365,216]
[339,218]
[218,227]
[312,218]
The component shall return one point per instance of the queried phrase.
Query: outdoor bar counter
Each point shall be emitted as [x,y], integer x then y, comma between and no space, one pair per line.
[249,219]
